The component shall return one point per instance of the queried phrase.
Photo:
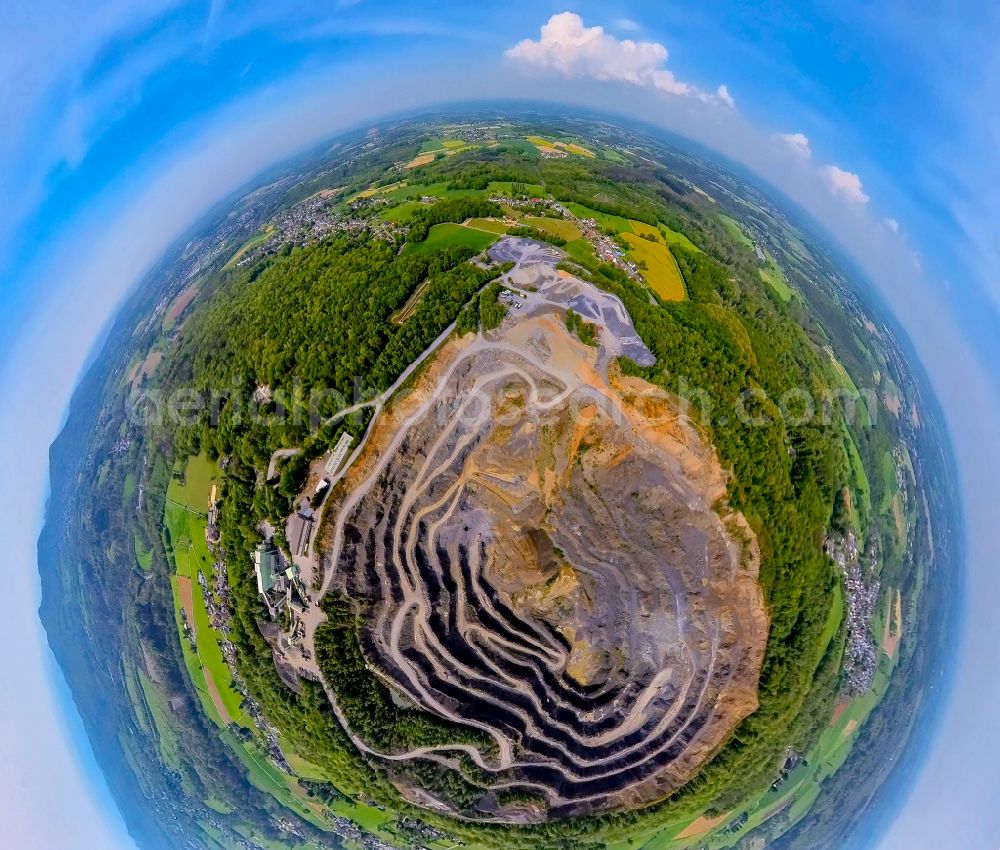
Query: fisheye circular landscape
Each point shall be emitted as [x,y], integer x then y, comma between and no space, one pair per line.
[501,479]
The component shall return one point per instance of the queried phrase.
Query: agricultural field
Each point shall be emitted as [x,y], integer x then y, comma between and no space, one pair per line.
[890,396]
[659,266]
[555,226]
[548,145]
[254,242]
[617,223]
[444,235]
[889,484]
[661,272]
[138,699]
[266,777]
[581,251]
[861,487]
[179,305]
[421,159]
[401,213]
[674,239]
[842,378]
[611,155]
[128,490]
[143,554]
[533,190]
[407,191]
[184,531]
[892,634]
[159,711]
[897,510]
[770,272]
[735,231]
[488,224]
[288,789]
[146,369]
[774,277]
[193,490]
[640,228]
[447,146]
[434,148]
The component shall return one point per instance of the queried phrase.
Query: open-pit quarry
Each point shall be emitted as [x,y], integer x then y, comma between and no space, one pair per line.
[539,548]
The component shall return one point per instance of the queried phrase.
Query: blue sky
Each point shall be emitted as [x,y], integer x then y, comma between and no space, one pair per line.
[125,121]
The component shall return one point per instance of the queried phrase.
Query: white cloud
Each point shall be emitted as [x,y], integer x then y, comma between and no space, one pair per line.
[627,25]
[797,142]
[566,46]
[845,184]
[892,224]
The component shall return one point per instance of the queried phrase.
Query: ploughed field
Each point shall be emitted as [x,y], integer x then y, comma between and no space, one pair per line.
[538,550]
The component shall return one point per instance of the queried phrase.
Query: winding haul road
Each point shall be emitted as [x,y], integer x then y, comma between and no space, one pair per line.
[663,596]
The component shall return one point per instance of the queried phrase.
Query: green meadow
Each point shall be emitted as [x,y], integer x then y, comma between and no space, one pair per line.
[448,234]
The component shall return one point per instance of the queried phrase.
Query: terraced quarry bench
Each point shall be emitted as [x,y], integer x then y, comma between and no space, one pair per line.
[539,551]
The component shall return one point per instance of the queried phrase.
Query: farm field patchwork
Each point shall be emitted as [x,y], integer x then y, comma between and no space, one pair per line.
[446,145]
[184,525]
[551,145]
[181,302]
[861,486]
[659,266]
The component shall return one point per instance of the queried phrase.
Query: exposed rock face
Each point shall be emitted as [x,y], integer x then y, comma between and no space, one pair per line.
[540,553]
